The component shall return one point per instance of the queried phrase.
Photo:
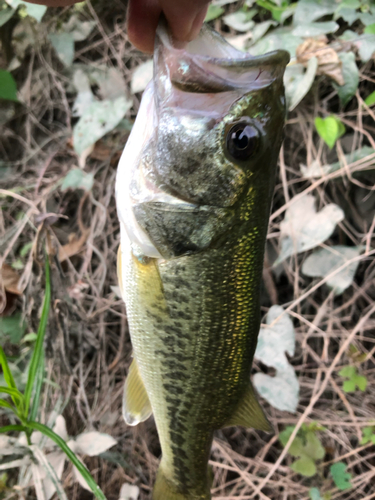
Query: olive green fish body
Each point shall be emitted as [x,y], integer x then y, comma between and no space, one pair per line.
[193,232]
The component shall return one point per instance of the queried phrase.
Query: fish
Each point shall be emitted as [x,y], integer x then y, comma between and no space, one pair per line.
[193,192]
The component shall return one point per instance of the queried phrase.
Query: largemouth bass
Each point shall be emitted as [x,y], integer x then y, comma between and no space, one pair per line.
[194,190]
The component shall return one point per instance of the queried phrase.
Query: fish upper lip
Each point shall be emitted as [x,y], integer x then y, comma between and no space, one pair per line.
[276,57]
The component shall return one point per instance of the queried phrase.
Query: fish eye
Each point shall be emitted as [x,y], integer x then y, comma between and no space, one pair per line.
[242,141]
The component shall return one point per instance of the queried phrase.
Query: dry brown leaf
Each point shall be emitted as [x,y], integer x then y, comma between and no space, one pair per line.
[9,289]
[74,246]
[10,279]
[329,63]
[102,151]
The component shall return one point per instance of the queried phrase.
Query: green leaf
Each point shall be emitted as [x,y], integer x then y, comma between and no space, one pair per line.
[304,466]
[314,494]
[313,447]
[340,477]
[214,11]
[312,10]
[315,29]
[368,435]
[8,377]
[348,386]
[239,21]
[280,38]
[370,29]
[347,371]
[63,43]
[296,448]
[8,87]
[12,328]
[370,99]
[72,457]
[15,394]
[78,179]
[351,77]
[5,15]
[32,10]
[12,428]
[330,129]
[5,404]
[361,382]
[25,249]
[37,359]
[297,86]
[98,119]
[324,261]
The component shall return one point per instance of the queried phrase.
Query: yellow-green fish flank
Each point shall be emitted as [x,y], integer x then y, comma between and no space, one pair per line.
[194,190]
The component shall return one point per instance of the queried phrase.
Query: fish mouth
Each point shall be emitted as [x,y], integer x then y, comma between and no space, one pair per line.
[209,64]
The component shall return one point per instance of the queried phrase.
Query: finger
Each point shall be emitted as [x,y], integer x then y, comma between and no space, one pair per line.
[142,20]
[185,17]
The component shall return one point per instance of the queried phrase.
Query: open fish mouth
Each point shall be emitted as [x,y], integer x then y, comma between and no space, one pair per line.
[209,64]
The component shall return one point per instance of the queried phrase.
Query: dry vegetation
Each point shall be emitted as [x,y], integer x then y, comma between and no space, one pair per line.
[88,346]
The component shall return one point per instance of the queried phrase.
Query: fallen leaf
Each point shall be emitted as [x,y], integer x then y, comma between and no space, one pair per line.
[213,12]
[129,492]
[314,170]
[297,88]
[315,29]
[78,179]
[74,246]
[98,119]
[303,228]
[329,63]
[63,43]
[93,443]
[324,261]
[32,10]
[141,76]
[351,78]
[276,339]
[10,279]
[239,21]
[281,391]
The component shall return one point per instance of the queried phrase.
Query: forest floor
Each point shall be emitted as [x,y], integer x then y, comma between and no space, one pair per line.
[88,349]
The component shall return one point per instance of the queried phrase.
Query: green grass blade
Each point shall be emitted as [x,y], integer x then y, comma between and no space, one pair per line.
[75,461]
[12,428]
[5,404]
[38,350]
[16,396]
[8,377]
[38,389]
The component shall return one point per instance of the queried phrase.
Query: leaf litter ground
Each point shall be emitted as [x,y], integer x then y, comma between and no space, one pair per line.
[74,217]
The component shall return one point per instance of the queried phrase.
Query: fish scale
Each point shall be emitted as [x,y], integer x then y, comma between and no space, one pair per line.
[193,195]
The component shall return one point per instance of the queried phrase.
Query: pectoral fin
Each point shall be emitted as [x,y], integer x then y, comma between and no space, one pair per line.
[136,406]
[249,413]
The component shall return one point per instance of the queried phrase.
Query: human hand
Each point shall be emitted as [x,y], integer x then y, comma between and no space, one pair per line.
[185,18]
